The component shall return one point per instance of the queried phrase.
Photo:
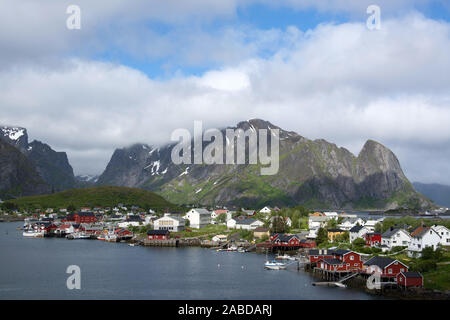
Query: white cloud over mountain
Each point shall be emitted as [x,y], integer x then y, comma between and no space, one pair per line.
[340,82]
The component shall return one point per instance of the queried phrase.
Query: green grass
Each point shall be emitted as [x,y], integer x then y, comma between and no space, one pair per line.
[212,229]
[438,279]
[108,196]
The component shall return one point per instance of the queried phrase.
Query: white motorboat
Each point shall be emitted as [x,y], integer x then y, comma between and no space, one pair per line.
[33,233]
[274,265]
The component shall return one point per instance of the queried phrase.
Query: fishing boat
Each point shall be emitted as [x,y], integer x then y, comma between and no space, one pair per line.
[274,265]
[232,248]
[33,233]
[78,235]
[285,257]
[111,237]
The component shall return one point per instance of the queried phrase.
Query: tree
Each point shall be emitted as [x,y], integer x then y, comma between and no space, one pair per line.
[222,218]
[322,236]
[359,242]
[71,208]
[278,225]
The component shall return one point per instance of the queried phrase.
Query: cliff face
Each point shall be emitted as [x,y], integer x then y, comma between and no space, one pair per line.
[17,174]
[53,167]
[313,173]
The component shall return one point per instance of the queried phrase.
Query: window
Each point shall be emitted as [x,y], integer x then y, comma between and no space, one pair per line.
[352,258]
[402,270]
[390,271]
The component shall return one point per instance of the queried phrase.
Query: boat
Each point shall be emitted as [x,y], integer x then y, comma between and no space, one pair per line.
[274,265]
[240,249]
[285,257]
[78,235]
[33,233]
[111,237]
[232,248]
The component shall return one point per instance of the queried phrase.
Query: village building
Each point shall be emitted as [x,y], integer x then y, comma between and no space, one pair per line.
[261,232]
[426,237]
[373,239]
[410,279]
[340,260]
[248,224]
[349,223]
[82,217]
[386,267]
[169,222]
[220,238]
[444,233]
[395,238]
[198,218]
[332,234]
[216,213]
[357,232]
[266,210]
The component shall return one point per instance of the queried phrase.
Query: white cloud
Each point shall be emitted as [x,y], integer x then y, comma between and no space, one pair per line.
[342,82]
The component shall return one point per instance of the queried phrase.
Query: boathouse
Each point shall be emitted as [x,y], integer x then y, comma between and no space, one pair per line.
[410,279]
[387,267]
[158,235]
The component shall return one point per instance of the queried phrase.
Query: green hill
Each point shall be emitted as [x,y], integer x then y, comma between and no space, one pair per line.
[108,196]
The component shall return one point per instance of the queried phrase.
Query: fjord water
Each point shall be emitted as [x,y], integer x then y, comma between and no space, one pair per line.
[36,269]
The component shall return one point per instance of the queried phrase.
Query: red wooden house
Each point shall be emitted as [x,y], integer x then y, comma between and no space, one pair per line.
[158,234]
[339,260]
[387,267]
[82,217]
[319,254]
[410,279]
[373,239]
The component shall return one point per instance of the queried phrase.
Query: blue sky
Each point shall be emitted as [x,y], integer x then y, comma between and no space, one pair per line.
[255,16]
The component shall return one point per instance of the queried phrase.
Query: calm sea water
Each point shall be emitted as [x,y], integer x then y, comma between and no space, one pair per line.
[36,269]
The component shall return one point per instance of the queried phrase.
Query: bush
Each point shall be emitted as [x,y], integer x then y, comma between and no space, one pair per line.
[423,265]
[359,242]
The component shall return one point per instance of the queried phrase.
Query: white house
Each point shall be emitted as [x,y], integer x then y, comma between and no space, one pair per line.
[248,224]
[219,238]
[198,218]
[357,232]
[169,222]
[216,213]
[444,233]
[349,223]
[395,238]
[231,223]
[266,210]
[371,223]
[426,237]
[332,215]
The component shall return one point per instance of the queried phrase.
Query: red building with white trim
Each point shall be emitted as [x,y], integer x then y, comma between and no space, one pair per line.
[410,279]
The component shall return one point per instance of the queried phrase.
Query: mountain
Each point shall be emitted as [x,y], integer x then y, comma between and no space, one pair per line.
[17,174]
[52,166]
[314,173]
[98,196]
[439,193]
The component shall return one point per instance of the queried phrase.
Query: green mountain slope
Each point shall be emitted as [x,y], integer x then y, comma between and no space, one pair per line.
[107,196]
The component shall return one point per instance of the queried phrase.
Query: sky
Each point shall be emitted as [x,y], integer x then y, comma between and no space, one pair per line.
[137,70]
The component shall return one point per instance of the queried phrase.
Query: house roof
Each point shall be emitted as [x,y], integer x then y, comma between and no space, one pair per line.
[340,252]
[417,230]
[411,274]
[332,261]
[356,228]
[260,229]
[246,221]
[286,238]
[335,230]
[201,211]
[390,232]
[381,262]
[158,232]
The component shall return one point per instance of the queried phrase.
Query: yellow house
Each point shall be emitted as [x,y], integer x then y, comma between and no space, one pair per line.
[333,233]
